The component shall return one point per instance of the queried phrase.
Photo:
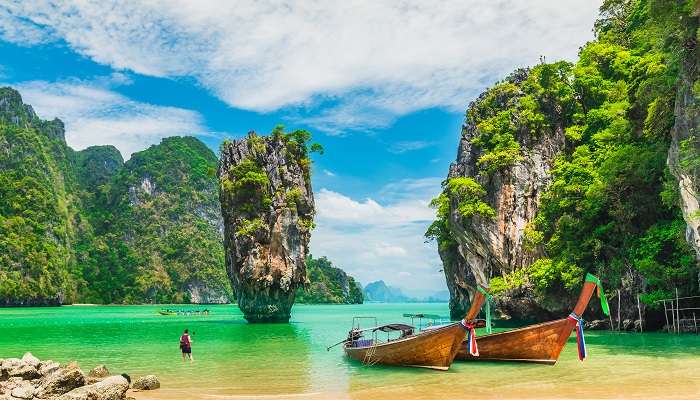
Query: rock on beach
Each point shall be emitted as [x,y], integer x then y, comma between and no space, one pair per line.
[29,378]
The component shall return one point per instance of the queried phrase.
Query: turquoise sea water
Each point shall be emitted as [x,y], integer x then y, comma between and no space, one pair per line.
[234,359]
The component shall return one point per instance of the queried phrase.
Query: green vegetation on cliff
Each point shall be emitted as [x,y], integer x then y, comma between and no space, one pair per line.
[612,207]
[328,284]
[161,229]
[85,227]
[35,226]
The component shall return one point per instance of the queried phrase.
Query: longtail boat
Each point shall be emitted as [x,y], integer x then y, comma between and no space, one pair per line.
[540,343]
[434,347]
[169,312]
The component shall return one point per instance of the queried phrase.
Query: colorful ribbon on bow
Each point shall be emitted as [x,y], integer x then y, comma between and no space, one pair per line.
[471,338]
[580,340]
[601,295]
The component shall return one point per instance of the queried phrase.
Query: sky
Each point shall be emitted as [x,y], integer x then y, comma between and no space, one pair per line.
[382,84]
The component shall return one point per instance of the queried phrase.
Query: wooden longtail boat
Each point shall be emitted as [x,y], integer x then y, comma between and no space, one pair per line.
[169,312]
[539,343]
[434,347]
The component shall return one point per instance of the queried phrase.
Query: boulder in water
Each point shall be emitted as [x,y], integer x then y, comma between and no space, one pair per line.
[148,382]
[99,371]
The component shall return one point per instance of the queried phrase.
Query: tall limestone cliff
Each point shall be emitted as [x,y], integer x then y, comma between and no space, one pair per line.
[83,226]
[268,209]
[684,153]
[163,211]
[37,228]
[480,245]
[562,170]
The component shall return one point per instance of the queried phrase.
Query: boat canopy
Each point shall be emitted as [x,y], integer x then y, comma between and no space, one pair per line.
[394,327]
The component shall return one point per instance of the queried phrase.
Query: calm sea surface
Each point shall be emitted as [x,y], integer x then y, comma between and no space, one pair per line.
[234,359]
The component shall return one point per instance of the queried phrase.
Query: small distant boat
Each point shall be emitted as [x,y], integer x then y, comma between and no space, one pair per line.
[170,312]
[434,347]
[540,343]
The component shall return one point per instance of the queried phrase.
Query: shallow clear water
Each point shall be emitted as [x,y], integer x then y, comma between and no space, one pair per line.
[234,359]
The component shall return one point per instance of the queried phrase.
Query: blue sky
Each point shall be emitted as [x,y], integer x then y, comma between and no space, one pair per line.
[382,85]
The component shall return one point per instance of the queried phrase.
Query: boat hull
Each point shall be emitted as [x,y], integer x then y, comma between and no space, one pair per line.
[435,349]
[540,343]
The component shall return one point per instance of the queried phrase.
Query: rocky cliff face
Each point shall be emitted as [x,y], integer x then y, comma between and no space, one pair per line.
[327,284]
[175,250]
[487,247]
[37,213]
[268,208]
[684,153]
[83,226]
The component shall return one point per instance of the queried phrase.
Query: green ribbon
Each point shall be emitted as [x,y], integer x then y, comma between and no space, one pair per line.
[488,307]
[603,300]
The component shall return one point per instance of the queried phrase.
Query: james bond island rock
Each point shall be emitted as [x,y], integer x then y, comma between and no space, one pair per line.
[561,170]
[268,209]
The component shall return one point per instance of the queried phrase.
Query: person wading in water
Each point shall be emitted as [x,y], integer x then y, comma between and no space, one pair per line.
[186,346]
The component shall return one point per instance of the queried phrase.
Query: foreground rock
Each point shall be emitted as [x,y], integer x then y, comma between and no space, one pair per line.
[268,208]
[60,381]
[99,371]
[111,388]
[29,378]
[148,382]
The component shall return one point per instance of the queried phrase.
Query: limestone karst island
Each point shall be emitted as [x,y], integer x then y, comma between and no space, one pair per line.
[367,200]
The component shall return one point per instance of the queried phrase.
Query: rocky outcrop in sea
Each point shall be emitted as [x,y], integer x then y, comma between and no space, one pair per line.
[29,378]
[268,209]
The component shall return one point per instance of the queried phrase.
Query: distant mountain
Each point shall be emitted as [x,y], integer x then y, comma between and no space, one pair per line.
[379,292]
[442,296]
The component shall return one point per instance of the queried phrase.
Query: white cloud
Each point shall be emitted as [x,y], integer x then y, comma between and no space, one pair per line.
[94,114]
[406,146]
[328,172]
[14,29]
[369,60]
[374,240]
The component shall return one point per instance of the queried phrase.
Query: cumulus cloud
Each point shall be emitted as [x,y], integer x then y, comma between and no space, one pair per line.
[369,60]
[94,114]
[382,239]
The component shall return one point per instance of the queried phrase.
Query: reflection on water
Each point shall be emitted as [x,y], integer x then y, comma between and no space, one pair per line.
[234,359]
